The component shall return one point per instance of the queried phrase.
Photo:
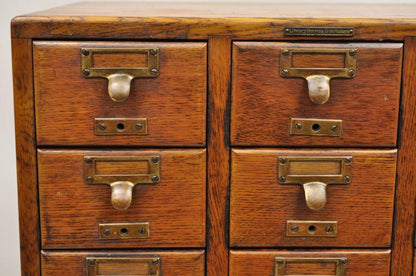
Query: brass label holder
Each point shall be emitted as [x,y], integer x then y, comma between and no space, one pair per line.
[282,262]
[122,184]
[318,31]
[311,228]
[121,231]
[318,78]
[139,266]
[120,126]
[315,127]
[315,174]
[119,78]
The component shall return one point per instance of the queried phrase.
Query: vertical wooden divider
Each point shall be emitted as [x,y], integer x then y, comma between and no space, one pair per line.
[404,218]
[26,152]
[219,67]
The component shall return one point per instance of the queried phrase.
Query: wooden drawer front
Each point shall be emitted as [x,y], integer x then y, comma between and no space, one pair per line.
[263,102]
[68,103]
[72,210]
[359,262]
[261,206]
[171,262]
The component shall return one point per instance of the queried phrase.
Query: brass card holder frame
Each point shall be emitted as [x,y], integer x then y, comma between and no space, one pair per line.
[119,78]
[340,270]
[145,266]
[314,185]
[122,184]
[318,78]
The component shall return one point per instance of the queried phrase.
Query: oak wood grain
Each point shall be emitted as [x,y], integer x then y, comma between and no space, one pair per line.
[174,103]
[72,263]
[404,219]
[71,209]
[262,262]
[263,102]
[26,156]
[260,205]
[219,53]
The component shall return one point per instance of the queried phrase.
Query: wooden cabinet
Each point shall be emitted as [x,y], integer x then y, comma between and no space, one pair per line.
[216,139]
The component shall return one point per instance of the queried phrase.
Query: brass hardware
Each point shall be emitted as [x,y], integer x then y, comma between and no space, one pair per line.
[315,127]
[119,231]
[102,170]
[311,228]
[120,126]
[319,31]
[119,78]
[140,266]
[281,264]
[315,174]
[318,78]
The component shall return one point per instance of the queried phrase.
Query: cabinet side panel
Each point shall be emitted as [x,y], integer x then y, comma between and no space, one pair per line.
[402,255]
[26,156]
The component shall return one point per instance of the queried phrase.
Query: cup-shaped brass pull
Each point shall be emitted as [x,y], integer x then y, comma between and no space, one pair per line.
[294,63]
[119,76]
[315,195]
[121,193]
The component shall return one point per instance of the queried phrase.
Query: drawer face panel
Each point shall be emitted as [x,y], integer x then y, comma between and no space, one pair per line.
[77,214]
[264,102]
[170,262]
[68,104]
[263,210]
[359,262]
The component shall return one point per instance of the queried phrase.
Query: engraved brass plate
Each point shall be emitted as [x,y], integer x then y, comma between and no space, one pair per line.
[120,231]
[319,31]
[120,126]
[138,266]
[315,127]
[281,263]
[311,228]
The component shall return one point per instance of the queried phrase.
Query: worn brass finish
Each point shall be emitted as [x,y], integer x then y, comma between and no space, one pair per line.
[315,127]
[318,78]
[280,264]
[314,174]
[139,266]
[119,78]
[120,126]
[122,184]
[311,228]
[319,31]
[119,231]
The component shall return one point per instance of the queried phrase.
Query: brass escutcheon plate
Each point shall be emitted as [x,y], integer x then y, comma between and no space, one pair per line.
[120,126]
[311,228]
[315,127]
[120,231]
[139,266]
[281,264]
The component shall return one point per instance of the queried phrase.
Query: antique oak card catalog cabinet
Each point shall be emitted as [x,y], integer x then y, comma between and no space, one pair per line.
[216,139]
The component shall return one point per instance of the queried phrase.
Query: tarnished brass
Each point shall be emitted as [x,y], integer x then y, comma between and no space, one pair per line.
[311,228]
[119,78]
[319,31]
[119,231]
[138,266]
[315,127]
[282,262]
[147,171]
[120,126]
[318,78]
[314,174]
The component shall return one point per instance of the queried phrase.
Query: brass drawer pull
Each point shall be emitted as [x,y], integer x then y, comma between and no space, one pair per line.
[140,266]
[119,78]
[317,78]
[122,174]
[314,174]
[282,264]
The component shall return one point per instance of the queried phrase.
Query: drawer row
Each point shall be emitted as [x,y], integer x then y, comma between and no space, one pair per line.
[154,94]
[157,198]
